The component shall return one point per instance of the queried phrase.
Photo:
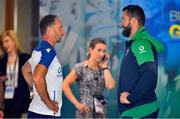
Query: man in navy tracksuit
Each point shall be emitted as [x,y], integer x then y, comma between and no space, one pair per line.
[138,75]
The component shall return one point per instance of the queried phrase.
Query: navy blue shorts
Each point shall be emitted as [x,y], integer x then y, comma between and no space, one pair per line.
[35,115]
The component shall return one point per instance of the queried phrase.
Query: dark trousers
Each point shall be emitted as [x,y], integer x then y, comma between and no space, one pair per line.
[39,116]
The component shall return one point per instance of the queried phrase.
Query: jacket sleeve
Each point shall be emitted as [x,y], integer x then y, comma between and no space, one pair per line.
[2,73]
[146,83]
[25,57]
[1,95]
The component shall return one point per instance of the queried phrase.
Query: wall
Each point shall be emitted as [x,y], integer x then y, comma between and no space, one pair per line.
[2,16]
[24,23]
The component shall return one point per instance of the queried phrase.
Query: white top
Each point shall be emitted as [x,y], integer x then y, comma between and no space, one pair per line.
[46,55]
[12,74]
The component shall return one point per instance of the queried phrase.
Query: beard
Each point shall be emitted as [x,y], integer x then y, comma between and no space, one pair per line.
[127,30]
[57,38]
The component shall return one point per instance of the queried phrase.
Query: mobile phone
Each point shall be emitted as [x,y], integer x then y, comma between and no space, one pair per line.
[104,58]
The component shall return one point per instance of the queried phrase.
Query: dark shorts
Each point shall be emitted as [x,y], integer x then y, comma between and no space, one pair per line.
[35,115]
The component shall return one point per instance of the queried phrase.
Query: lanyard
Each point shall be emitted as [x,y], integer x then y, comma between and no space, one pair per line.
[12,72]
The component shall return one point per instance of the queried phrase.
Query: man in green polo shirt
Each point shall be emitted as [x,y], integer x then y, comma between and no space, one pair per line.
[139,68]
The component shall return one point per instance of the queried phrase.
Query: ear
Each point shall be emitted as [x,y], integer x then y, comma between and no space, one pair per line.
[90,50]
[134,21]
[49,30]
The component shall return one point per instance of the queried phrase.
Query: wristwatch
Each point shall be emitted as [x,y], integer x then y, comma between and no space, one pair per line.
[107,67]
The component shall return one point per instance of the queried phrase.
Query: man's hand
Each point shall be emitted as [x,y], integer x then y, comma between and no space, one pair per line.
[123,98]
[53,105]
[1,114]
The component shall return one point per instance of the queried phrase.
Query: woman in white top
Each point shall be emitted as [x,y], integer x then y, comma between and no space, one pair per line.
[15,92]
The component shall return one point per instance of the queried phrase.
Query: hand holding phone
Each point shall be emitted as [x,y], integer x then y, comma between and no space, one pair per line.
[104,59]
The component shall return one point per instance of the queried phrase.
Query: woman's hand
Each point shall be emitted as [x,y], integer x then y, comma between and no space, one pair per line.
[105,63]
[82,107]
[1,114]
[3,78]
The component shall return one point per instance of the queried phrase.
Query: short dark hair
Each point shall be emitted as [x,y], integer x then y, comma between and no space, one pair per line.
[137,12]
[45,22]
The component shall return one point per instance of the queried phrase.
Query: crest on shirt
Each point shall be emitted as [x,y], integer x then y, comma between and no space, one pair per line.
[48,50]
[141,49]
[59,72]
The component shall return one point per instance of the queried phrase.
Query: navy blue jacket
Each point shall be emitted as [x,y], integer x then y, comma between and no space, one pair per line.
[139,70]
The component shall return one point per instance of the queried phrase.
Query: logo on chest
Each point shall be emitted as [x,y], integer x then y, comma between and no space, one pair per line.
[141,49]
[59,74]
